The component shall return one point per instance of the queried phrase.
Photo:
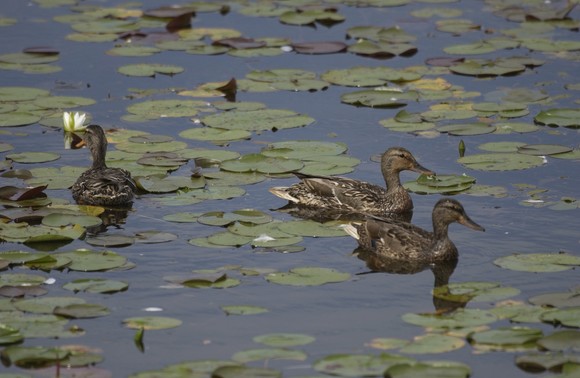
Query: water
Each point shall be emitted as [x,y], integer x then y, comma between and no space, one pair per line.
[343,317]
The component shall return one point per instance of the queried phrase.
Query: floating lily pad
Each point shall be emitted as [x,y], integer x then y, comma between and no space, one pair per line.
[567,299]
[303,149]
[96,285]
[380,97]
[474,292]
[543,149]
[478,128]
[9,335]
[89,261]
[149,69]
[81,311]
[46,305]
[185,217]
[245,372]
[561,340]
[59,220]
[219,218]
[261,163]
[134,51]
[110,240]
[311,228]
[251,355]
[359,365]
[257,120]
[243,310]
[501,146]
[284,339]
[448,369]
[565,316]
[538,262]
[506,338]
[13,119]
[444,184]
[215,135]
[433,343]
[33,157]
[565,117]
[501,161]
[307,276]
[151,322]
[167,108]
[369,76]
[458,319]
[536,361]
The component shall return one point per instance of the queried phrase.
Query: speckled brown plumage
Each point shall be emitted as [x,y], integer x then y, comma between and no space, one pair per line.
[345,194]
[101,185]
[407,242]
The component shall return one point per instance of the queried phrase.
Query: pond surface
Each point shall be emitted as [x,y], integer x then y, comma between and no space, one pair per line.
[343,317]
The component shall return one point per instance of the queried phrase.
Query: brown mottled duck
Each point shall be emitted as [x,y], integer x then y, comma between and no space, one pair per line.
[407,242]
[101,185]
[345,194]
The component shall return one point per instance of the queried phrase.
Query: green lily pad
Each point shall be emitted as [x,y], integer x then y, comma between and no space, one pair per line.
[501,161]
[448,369]
[26,357]
[243,310]
[219,218]
[251,355]
[380,98]
[307,276]
[110,240]
[518,312]
[257,120]
[9,335]
[359,365]
[368,76]
[46,305]
[444,184]
[33,157]
[565,117]
[215,135]
[536,361]
[514,127]
[561,340]
[96,285]
[59,220]
[245,372]
[433,343]
[23,233]
[538,262]
[566,299]
[20,279]
[184,217]
[13,119]
[149,69]
[284,339]
[477,128]
[167,108]
[474,292]
[261,163]
[311,228]
[506,338]
[85,260]
[21,93]
[565,316]
[133,51]
[501,146]
[458,319]
[63,102]
[303,149]
[82,311]
[151,322]
[543,149]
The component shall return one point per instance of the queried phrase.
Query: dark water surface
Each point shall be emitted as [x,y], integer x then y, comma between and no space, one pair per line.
[342,317]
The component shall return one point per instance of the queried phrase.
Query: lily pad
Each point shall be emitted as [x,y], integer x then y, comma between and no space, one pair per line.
[538,262]
[90,261]
[243,310]
[33,157]
[380,98]
[448,369]
[561,340]
[474,292]
[501,161]
[311,228]
[458,319]
[565,316]
[284,339]
[308,276]
[433,343]
[565,117]
[257,120]
[261,163]
[149,69]
[151,322]
[251,355]
[543,149]
[96,285]
[506,338]
[359,365]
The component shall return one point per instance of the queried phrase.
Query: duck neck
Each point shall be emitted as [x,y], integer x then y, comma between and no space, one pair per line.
[99,153]
[391,176]
[440,230]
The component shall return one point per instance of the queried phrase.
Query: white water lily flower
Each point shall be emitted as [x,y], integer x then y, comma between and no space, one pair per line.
[263,238]
[73,122]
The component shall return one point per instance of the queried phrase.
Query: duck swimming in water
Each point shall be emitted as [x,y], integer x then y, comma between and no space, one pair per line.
[407,242]
[345,194]
[101,185]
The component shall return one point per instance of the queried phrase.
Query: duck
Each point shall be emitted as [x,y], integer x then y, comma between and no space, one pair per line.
[349,195]
[101,185]
[402,241]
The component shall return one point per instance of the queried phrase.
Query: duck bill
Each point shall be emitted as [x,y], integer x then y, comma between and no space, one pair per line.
[420,169]
[467,222]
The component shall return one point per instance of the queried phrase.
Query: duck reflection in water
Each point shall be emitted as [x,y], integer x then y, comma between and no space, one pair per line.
[397,247]
[442,271]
